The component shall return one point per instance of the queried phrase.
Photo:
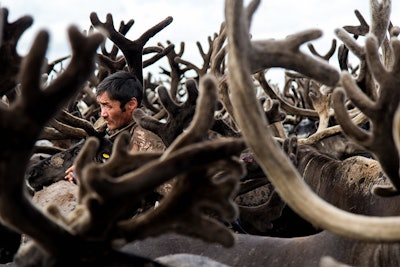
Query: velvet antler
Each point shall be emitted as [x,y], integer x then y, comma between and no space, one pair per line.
[34,108]
[178,115]
[380,139]
[11,32]
[132,50]
[275,164]
[106,197]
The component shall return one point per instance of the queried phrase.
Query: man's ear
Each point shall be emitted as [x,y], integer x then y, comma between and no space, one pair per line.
[132,104]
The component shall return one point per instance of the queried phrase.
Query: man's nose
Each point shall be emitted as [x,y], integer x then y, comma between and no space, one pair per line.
[104,113]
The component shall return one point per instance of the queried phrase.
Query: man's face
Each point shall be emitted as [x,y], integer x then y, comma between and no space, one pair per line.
[112,113]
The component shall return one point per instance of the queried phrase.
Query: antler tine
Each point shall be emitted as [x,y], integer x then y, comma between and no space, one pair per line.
[343,57]
[120,162]
[67,130]
[110,64]
[250,9]
[351,43]
[10,34]
[154,30]
[79,123]
[218,52]
[160,52]
[51,65]
[359,119]
[123,29]
[321,100]
[328,55]
[380,27]
[380,19]
[360,30]
[176,72]
[380,24]
[152,104]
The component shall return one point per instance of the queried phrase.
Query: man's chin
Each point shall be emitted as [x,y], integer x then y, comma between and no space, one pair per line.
[110,127]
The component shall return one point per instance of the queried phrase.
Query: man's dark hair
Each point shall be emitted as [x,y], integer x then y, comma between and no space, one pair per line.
[121,86]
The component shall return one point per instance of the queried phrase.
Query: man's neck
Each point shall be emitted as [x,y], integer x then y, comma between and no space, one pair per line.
[113,133]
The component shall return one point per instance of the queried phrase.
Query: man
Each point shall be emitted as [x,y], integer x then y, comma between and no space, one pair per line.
[118,95]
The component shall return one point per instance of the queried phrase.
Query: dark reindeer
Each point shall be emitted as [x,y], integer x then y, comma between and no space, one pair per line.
[52,169]
[213,164]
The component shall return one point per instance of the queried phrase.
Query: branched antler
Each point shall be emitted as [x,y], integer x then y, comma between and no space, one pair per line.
[189,195]
[34,109]
[79,123]
[328,54]
[176,72]
[285,178]
[160,52]
[178,115]
[206,56]
[360,30]
[263,52]
[380,19]
[132,50]
[285,105]
[381,112]
[321,100]
[106,196]
[123,29]
[380,25]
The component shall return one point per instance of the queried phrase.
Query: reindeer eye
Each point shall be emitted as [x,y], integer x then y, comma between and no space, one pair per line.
[106,156]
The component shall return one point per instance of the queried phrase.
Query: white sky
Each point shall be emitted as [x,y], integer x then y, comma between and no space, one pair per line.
[193,20]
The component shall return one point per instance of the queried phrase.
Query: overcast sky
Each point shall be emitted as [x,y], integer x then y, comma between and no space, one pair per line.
[192,20]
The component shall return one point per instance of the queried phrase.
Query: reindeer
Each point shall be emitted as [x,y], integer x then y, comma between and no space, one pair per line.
[353,239]
[105,214]
[199,166]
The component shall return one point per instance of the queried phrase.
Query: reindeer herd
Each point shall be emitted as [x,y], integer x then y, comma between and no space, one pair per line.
[253,174]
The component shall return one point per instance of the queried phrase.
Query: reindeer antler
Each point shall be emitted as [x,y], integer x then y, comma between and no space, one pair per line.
[100,183]
[132,50]
[380,140]
[34,108]
[286,178]
[178,115]
[10,32]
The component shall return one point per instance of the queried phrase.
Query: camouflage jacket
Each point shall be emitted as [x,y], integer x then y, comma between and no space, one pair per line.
[141,139]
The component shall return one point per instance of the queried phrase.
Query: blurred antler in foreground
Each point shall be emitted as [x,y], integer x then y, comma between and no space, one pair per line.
[253,124]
